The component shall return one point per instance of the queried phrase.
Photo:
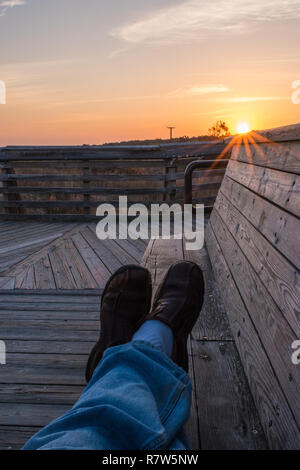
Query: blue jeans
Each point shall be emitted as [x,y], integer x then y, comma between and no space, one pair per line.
[137,399]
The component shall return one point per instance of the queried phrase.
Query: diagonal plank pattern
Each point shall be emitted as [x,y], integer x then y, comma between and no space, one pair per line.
[69,256]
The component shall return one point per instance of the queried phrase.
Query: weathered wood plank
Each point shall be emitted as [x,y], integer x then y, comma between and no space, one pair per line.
[274,331]
[48,347]
[14,437]
[18,256]
[279,277]
[59,307]
[279,187]
[44,278]
[40,394]
[98,270]
[41,325]
[102,249]
[7,282]
[96,190]
[212,323]
[279,227]
[159,256]
[27,281]
[276,417]
[23,414]
[192,426]
[99,178]
[285,156]
[227,416]
[279,134]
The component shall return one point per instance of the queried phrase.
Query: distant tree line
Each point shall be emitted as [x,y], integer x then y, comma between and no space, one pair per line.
[218,131]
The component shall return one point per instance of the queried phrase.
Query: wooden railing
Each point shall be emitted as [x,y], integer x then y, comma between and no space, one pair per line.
[70,182]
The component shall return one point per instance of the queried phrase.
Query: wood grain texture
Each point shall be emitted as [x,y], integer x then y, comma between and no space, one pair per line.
[284,156]
[227,416]
[279,187]
[279,277]
[274,331]
[279,227]
[276,416]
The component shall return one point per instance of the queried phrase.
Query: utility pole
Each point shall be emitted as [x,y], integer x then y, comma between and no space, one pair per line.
[171,131]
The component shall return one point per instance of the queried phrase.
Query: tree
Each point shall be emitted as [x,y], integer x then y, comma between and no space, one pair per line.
[219,130]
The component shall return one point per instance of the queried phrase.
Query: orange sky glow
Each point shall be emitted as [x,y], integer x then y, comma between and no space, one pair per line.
[89,72]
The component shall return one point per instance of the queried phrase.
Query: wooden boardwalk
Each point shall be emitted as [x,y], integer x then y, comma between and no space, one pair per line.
[51,280]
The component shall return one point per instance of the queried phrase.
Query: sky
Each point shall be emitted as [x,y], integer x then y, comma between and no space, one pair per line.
[95,71]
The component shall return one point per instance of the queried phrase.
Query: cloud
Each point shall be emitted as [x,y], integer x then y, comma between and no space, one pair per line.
[198,90]
[205,90]
[194,19]
[7,4]
[249,99]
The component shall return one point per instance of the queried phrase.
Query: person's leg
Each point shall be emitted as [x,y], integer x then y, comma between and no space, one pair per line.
[137,398]
[157,334]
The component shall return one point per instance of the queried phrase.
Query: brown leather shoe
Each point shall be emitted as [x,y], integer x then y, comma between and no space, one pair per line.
[125,301]
[177,303]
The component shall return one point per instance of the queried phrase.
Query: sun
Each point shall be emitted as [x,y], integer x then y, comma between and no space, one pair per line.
[243,128]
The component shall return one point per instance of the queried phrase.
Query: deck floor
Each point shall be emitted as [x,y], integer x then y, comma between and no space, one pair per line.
[51,279]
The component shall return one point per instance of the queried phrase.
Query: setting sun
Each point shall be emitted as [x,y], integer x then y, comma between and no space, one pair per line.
[243,128]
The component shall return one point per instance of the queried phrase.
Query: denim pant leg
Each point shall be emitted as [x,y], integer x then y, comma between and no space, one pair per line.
[137,399]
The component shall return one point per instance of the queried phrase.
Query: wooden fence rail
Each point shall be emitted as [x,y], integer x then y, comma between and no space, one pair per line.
[70,182]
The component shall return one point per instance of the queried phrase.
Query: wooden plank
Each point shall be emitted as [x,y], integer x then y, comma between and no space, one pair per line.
[276,417]
[96,190]
[212,323]
[125,153]
[44,369]
[279,134]
[98,178]
[98,270]
[38,237]
[274,331]
[48,347]
[102,250]
[14,437]
[50,314]
[82,295]
[285,156]
[68,164]
[42,325]
[61,269]
[23,414]
[27,281]
[227,416]
[129,249]
[44,278]
[83,277]
[14,305]
[158,257]
[277,275]
[192,426]
[280,228]
[279,187]
[7,282]
[40,394]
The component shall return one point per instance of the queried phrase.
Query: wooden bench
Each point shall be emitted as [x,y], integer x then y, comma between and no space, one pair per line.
[253,242]
[253,239]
